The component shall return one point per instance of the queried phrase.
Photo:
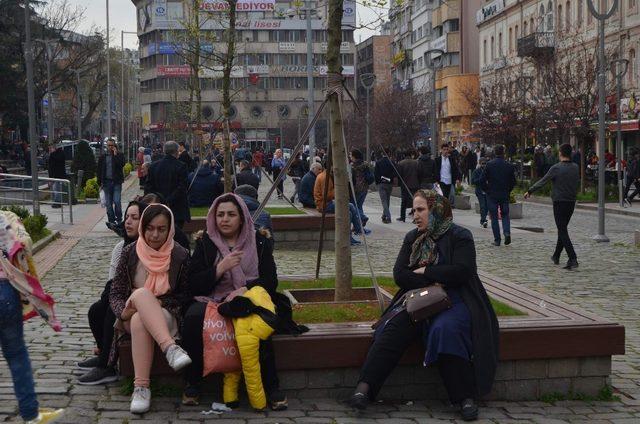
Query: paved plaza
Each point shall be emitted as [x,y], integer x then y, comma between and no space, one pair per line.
[606,283]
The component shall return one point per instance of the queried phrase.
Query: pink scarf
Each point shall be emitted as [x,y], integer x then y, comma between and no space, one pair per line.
[156,262]
[248,270]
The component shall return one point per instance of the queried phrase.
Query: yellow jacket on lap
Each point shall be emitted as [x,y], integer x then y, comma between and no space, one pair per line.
[249,331]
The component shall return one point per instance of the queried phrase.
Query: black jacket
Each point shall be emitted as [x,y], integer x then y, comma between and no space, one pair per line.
[186,159]
[455,172]
[247,177]
[499,179]
[168,177]
[117,163]
[57,165]
[426,171]
[384,168]
[459,270]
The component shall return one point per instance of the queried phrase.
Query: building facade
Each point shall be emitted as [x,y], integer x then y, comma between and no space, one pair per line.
[269,78]
[373,56]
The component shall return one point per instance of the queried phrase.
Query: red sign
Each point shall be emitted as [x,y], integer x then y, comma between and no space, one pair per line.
[173,71]
[630,125]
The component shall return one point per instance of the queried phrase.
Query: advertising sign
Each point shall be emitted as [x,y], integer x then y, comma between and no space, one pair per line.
[345,47]
[160,8]
[439,43]
[258,69]
[241,5]
[490,10]
[287,47]
[348,9]
[216,72]
[173,70]
[264,24]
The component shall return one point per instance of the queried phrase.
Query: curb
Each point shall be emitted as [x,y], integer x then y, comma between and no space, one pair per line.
[41,244]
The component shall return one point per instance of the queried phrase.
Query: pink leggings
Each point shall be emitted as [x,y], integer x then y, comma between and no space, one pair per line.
[147,324]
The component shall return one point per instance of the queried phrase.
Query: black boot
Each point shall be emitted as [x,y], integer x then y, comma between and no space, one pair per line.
[555,259]
[469,410]
[571,263]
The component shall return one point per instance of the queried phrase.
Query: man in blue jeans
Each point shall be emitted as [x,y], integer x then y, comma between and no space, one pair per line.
[110,178]
[499,180]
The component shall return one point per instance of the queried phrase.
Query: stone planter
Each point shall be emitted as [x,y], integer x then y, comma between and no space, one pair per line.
[462,201]
[515,210]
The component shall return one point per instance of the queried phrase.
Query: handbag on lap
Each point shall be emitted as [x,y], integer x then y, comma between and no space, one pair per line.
[426,302]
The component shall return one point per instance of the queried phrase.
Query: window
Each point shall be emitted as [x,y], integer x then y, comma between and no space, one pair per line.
[517,32]
[632,4]
[510,39]
[568,15]
[532,27]
[484,52]
[580,13]
[631,72]
[550,16]
[560,17]
[589,17]
[500,45]
[524,29]
[493,49]
[542,10]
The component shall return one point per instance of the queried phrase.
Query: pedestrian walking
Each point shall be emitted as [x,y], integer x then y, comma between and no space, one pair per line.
[447,172]
[565,177]
[477,179]
[361,178]
[632,177]
[277,165]
[110,178]
[256,163]
[499,180]
[57,169]
[408,172]
[384,173]
[296,172]
[426,169]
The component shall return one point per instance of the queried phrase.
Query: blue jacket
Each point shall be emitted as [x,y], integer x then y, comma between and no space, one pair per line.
[305,192]
[205,188]
[499,178]
[477,179]
[264,220]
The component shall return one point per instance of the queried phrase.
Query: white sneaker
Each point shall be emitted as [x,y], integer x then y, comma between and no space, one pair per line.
[140,400]
[177,357]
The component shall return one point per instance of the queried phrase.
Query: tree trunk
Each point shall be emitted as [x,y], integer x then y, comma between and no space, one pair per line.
[341,181]
[226,96]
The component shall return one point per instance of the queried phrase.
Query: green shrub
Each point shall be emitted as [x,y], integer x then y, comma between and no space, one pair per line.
[84,160]
[92,188]
[36,226]
[22,212]
[127,169]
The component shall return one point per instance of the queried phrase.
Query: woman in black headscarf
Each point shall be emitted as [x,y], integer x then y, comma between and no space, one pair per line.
[463,340]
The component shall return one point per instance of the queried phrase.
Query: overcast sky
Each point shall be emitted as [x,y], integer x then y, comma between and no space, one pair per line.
[122,15]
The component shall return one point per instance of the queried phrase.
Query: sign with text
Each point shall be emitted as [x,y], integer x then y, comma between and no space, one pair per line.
[266,24]
[258,69]
[241,5]
[174,71]
[439,43]
[345,47]
[487,12]
[287,47]
[216,72]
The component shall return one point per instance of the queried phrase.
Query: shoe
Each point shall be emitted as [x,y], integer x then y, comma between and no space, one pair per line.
[98,376]
[191,395]
[469,410]
[358,401]
[555,260]
[278,401]
[571,263]
[88,364]
[291,199]
[400,219]
[177,357]
[46,415]
[484,224]
[56,206]
[355,242]
[366,231]
[507,240]
[495,243]
[140,400]
[365,220]
[627,202]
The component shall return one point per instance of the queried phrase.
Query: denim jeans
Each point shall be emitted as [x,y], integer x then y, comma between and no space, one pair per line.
[482,201]
[15,351]
[57,195]
[360,197]
[493,205]
[353,217]
[112,194]
[384,190]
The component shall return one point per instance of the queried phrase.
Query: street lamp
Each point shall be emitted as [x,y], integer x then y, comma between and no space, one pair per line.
[434,116]
[524,82]
[79,101]
[108,77]
[368,80]
[122,33]
[620,66]
[50,109]
[28,56]
[601,237]
[301,99]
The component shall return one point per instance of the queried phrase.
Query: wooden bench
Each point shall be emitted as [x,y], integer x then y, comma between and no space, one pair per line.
[555,348]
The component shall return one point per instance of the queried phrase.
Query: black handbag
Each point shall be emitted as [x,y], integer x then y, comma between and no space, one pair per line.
[426,302]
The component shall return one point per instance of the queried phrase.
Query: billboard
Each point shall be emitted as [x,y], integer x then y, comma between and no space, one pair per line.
[241,5]
[173,71]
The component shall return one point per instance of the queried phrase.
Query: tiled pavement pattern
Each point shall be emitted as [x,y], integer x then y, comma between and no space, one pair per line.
[605,283]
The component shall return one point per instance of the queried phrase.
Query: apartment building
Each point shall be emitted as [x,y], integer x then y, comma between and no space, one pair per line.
[269,79]
[518,36]
[373,57]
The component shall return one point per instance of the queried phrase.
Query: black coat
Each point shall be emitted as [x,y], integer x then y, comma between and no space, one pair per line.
[459,270]
[426,171]
[500,179]
[168,177]
[57,165]
[186,159]
[455,171]
[117,163]
[247,177]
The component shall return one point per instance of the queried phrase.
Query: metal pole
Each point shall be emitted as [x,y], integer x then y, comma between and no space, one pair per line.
[368,135]
[79,107]
[108,78]
[50,123]
[434,116]
[33,142]
[621,70]
[601,237]
[310,100]
[122,98]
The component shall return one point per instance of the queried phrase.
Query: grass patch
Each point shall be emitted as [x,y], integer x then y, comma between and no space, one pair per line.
[335,313]
[160,390]
[273,210]
[40,235]
[604,395]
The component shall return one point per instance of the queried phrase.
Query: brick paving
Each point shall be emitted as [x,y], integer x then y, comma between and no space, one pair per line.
[605,283]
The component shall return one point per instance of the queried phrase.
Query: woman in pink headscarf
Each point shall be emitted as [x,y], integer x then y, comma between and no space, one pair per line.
[230,258]
[147,295]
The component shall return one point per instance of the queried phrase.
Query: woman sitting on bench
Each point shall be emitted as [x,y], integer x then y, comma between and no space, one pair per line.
[230,258]
[462,340]
[147,295]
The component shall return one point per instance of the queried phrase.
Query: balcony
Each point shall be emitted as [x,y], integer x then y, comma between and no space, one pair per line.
[538,44]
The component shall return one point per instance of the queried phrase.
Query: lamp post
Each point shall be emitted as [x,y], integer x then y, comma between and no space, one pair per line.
[368,80]
[28,56]
[122,124]
[601,237]
[434,115]
[525,82]
[620,66]
[309,37]
[78,101]
[108,77]
[50,108]
[301,99]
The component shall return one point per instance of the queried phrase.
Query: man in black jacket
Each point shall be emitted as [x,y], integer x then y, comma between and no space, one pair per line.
[447,172]
[184,156]
[426,168]
[499,180]
[110,177]
[384,173]
[57,169]
[246,175]
[168,177]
